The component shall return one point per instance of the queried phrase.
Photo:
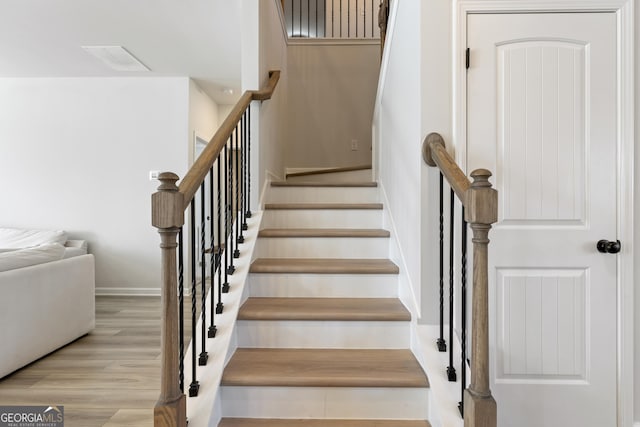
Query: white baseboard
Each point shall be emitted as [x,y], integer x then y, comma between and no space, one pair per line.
[131,292]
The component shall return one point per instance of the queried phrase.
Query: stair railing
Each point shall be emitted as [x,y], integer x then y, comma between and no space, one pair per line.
[332,19]
[216,194]
[479,210]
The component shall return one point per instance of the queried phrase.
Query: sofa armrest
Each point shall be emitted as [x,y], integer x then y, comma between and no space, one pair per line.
[75,248]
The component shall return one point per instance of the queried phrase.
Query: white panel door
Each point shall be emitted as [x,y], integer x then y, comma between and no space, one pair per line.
[542,116]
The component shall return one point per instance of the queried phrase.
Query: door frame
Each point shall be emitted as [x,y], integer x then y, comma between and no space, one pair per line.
[624,10]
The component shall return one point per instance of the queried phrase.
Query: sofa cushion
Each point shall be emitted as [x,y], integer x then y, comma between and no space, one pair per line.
[31,256]
[16,238]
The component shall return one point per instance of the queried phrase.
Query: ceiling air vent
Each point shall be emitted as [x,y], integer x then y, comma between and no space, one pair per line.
[116,58]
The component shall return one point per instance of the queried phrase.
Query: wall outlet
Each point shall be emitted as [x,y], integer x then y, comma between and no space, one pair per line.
[354,145]
[153,175]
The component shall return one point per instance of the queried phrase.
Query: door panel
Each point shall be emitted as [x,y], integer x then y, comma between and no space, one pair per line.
[542,115]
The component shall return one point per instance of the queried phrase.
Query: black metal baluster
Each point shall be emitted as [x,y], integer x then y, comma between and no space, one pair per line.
[333,14]
[442,344]
[451,370]
[245,169]
[241,210]
[309,21]
[212,258]
[248,213]
[324,18]
[236,209]
[364,18]
[357,1]
[372,20]
[316,18]
[195,385]
[181,308]
[202,359]
[232,241]
[292,18]
[349,18]
[340,18]
[463,303]
[220,305]
[225,286]
[300,4]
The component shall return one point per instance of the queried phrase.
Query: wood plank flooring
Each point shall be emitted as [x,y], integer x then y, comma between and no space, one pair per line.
[110,377]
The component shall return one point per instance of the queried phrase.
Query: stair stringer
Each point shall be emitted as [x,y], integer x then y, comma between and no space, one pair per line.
[204,409]
[405,284]
[444,395]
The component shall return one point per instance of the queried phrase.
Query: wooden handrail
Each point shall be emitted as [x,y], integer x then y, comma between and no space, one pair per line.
[481,211]
[167,215]
[435,153]
[191,181]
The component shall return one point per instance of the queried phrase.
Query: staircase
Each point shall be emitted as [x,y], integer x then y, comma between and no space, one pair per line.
[323,339]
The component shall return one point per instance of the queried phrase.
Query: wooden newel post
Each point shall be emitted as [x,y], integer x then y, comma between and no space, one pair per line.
[482,211]
[167,215]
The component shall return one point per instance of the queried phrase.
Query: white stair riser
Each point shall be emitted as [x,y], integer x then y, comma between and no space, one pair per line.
[323,195]
[325,402]
[322,218]
[351,176]
[323,285]
[322,247]
[322,334]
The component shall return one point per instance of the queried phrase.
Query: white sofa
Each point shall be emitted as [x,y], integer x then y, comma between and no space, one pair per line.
[47,295]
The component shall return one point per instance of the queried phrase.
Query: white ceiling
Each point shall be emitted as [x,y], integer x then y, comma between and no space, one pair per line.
[195,38]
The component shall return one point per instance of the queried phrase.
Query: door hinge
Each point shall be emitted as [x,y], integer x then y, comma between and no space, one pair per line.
[468,58]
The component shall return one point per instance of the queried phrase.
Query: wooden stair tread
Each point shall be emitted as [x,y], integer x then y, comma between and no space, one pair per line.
[323,232]
[323,184]
[276,367]
[328,206]
[272,422]
[339,309]
[324,266]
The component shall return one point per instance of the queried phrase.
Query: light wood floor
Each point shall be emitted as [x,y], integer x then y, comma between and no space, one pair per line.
[107,378]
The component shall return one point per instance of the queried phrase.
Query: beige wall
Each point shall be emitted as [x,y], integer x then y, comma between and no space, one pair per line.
[203,117]
[331,95]
[273,113]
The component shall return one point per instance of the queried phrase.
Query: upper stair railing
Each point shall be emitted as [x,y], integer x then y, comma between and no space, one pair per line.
[215,193]
[479,210]
[332,19]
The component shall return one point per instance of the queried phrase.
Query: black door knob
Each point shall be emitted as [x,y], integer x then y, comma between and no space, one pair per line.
[608,247]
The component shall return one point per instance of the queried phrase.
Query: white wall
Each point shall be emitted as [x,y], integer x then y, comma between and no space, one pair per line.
[435,117]
[332,90]
[75,154]
[399,138]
